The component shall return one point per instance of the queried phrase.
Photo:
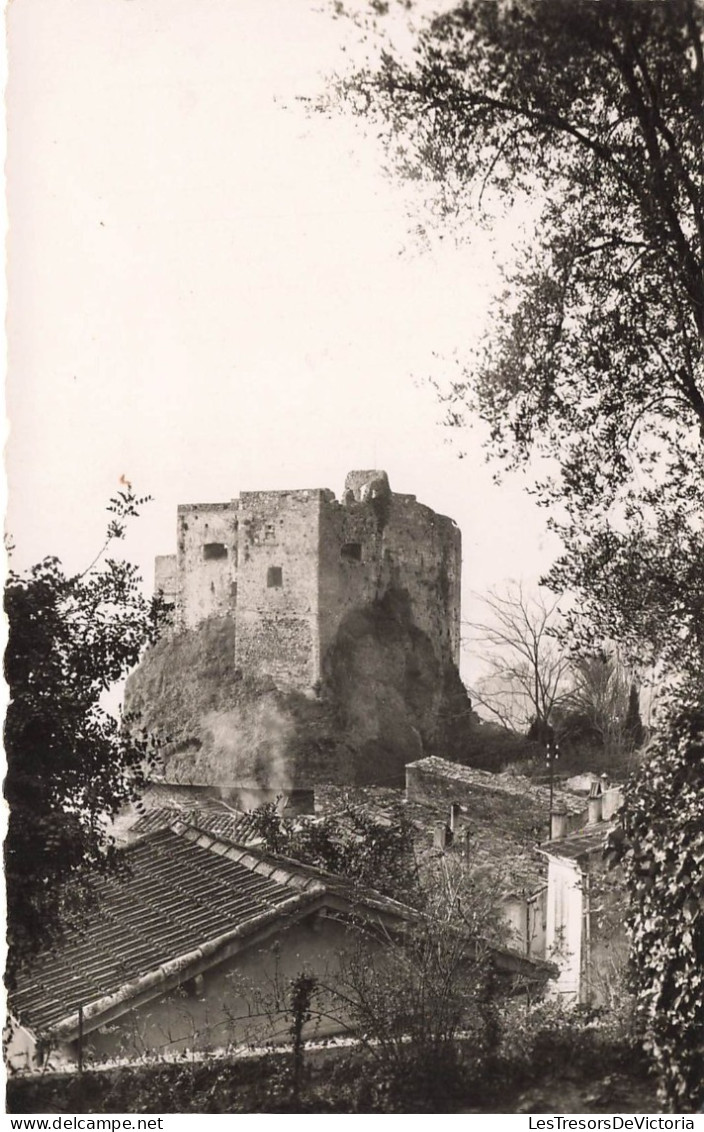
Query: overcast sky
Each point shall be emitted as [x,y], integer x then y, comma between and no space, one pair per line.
[211,292]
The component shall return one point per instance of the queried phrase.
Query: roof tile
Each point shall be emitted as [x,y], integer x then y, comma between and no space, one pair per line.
[175,896]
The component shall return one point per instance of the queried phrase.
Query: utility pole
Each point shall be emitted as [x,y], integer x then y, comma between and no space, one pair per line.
[80,1038]
[552,754]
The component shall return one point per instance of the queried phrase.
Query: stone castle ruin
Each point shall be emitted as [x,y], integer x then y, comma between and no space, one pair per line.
[314,639]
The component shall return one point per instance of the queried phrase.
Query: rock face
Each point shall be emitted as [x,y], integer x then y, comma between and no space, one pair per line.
[313,641]
[385,700]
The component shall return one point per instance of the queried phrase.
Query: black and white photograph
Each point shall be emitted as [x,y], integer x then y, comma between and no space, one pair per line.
[354,561]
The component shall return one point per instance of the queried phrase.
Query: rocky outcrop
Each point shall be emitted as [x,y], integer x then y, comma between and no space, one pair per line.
[385,699]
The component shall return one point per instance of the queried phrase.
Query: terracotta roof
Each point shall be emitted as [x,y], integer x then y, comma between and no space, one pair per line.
[579,844]
[236,827]
[178,898]
[170,801]
[187,894]
[500,812]
[182,796]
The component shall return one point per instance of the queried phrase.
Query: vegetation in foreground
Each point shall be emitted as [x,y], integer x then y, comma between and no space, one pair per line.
[548,1061]
[70,764]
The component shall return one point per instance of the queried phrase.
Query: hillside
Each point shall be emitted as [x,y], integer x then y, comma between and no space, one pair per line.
[385,700]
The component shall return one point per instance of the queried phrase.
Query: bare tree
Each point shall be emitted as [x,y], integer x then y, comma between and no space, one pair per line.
[527,671]
[605,698]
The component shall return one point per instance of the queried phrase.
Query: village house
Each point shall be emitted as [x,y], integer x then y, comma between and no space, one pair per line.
[186,950]
[570,913]
[585,934]
[497,821]
[558,899]
[168,959]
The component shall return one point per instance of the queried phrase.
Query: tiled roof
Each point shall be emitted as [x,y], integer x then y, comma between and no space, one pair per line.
[500,811]
[178,899]
[235,826]
[579,844]
[170,801]
[477,783]
[182,796]
[186,900]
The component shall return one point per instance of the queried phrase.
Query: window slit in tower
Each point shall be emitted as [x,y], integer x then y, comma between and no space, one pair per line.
[351,551]
[213,550]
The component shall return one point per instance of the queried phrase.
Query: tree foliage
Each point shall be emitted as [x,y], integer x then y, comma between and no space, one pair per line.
[409,996]
[661,844]
[352,844]
[591,373]
[593,113]
[70,763]
[405,994]
[603,707]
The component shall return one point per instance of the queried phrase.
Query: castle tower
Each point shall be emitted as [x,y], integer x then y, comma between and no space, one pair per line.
[288,566]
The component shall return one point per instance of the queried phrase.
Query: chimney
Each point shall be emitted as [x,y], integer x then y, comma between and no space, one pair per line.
[440,832]
[595,810]
[455,810]
[558,824]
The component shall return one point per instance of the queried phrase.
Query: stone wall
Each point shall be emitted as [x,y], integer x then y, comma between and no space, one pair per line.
[436,781]
[166,577]
[288,566]
[277,586]
[206,559]
[390,541]
[340,624]
[433,780]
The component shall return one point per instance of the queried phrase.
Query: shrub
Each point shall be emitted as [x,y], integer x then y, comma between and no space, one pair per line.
[661,844]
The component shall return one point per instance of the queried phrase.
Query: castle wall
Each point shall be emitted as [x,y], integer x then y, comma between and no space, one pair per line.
[207,561]
[166,578]
[288,566]
[366,545]
[426,555]
[352,570]
[277,592]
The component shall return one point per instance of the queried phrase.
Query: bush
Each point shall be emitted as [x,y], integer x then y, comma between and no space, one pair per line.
[661,845]
[554,1035]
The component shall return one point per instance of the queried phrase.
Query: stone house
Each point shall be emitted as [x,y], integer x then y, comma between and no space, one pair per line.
[189,950]
[497,821]
[585,934]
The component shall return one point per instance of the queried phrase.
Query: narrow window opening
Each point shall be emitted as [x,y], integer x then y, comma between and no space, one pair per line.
[352,551]
[274,577]
[213,550]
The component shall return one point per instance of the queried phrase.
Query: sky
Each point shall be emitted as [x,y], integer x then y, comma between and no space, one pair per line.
[211,290]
